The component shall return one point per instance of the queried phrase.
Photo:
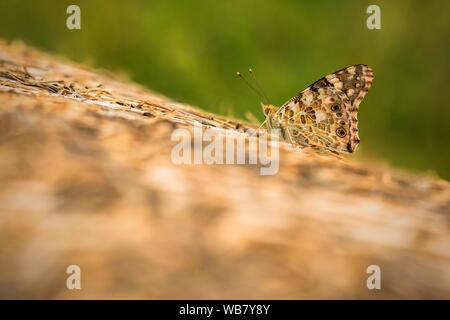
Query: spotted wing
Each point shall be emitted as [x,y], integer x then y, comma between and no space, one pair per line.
[325,113]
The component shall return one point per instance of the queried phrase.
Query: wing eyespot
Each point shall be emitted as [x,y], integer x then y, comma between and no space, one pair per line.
[335,107]
[341,132]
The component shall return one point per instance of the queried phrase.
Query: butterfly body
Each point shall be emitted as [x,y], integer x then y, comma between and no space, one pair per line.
[324,114]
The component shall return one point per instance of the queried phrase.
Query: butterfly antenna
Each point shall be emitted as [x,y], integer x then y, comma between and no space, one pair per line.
[258,86]
[259,92]
[250,86]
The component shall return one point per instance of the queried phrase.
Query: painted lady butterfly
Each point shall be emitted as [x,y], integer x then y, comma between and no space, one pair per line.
[324,115]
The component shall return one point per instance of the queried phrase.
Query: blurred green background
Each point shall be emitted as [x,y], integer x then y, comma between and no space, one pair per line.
[190,51]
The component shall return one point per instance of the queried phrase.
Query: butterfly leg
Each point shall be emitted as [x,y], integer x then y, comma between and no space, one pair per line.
[289,136]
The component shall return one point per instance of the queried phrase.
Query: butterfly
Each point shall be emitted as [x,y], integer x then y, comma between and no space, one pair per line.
[324,115]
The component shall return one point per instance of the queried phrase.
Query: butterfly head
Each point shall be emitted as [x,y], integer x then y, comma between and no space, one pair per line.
[269,111]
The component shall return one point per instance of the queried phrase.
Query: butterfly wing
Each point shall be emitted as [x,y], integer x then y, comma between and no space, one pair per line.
[325,113]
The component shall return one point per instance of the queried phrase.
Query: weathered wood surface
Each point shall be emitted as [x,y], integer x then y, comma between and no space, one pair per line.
[86,179]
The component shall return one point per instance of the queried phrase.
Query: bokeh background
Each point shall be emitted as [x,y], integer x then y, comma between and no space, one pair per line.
[190,51]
